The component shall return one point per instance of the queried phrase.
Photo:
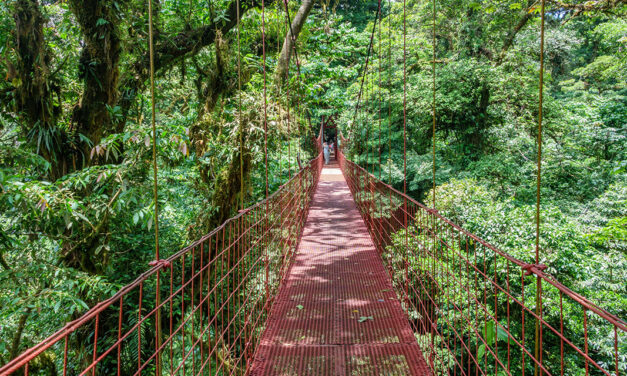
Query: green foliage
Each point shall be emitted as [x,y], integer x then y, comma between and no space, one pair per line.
[72,232]
[485,161]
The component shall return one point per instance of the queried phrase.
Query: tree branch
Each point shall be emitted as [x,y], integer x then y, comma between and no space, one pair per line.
[290,40]
[169,49]
[577,9]
[589,6]
[525,16]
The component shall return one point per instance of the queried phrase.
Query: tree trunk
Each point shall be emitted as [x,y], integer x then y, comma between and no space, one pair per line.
[14,351]
[525,16]
[33,89]
[290,40]
[226,195]
[99,70]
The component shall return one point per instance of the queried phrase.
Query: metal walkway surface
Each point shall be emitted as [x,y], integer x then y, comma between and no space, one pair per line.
[336,313]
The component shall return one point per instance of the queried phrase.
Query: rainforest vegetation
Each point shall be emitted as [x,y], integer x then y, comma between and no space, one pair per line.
[76,206]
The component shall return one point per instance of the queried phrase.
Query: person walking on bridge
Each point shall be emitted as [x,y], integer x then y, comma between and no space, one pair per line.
[325,152]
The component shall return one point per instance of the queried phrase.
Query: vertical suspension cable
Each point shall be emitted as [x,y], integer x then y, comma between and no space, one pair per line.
[287,99]
[287,106]
[369,145]
[433,106]
[155,188]
[371,127]
[363,78]
[265,140]
[364,115]
[390,95]
[366,120]
[374,126]
[538,331]
[154,128]
[278,95]
[240,126]
[434,230]
[380,97]
[298,81]
[389,86]
[379,84]
[405,150]
[239,108]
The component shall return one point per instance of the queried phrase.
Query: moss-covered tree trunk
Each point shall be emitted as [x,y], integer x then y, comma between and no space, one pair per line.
[99,71]
[33,89]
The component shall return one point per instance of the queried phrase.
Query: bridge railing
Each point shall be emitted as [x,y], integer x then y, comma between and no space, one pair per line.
[472,306]
[213,301]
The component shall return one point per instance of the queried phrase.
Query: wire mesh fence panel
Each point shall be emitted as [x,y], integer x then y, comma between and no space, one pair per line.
[211,299]
[472,306]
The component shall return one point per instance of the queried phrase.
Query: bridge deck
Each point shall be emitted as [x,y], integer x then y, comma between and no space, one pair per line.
[336,313]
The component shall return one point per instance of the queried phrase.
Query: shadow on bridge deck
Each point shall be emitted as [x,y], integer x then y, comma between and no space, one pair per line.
[336,313]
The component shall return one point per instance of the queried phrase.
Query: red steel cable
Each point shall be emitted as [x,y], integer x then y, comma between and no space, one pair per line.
[265,134]
[390,160]
[379,83]
[278,100]
[287,104]
[298,79]
[239,107]
[367,60]
[538,327]
[434,230]
[405,145]
[155,187]
[433,108]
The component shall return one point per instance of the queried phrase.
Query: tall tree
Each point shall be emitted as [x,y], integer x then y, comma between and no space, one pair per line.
[290,39]
[99,71]
[33,88]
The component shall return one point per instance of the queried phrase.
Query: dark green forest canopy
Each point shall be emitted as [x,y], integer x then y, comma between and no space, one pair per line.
[75,178]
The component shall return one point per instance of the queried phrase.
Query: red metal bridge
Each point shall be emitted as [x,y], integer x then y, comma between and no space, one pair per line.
[336,312]
[318,280]
[338,273]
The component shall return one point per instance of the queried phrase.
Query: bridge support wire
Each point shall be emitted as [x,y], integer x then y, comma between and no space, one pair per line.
[466,301]
[538,326]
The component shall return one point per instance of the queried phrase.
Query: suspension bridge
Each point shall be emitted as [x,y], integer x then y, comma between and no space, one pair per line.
[317,280]
[336,273]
